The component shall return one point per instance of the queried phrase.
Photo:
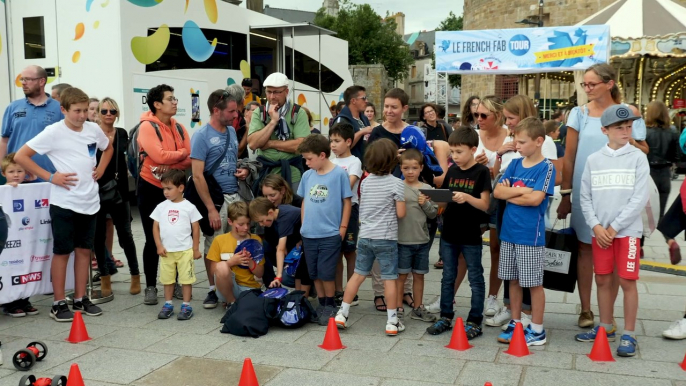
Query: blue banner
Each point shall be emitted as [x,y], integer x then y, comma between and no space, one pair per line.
[522,50]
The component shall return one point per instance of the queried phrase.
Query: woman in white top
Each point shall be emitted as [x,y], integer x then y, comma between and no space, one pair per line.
[492,135]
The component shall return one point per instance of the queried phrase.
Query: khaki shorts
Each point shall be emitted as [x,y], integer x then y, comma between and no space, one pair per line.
[223,216]
[182,262]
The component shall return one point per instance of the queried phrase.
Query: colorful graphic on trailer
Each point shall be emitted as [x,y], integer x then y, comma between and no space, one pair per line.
[522,50]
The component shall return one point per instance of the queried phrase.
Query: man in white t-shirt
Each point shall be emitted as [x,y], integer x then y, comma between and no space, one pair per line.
[71,145]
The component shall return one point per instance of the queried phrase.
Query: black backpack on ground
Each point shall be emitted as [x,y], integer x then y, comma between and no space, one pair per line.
[250,314]
[294,311]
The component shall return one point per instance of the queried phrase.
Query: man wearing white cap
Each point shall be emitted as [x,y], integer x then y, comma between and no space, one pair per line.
[276,130]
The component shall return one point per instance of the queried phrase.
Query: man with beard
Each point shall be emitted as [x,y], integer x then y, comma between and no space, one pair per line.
[23,120]
[214,141]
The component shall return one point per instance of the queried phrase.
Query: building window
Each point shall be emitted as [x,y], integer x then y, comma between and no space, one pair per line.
[413,92]
[232,47]
[414,72]
[34,38]
[506,86]
[307,72]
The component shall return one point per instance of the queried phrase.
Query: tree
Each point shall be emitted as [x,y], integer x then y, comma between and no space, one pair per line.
[451,23]
[371,40]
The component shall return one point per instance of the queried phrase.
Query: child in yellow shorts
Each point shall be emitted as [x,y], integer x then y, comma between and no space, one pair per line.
[177,236]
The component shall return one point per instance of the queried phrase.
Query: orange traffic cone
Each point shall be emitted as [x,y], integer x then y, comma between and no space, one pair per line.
[75,378]
[78,331]
[332,341]
[248,376]
[683,364]
[459,340]
[601,348]
[518,346]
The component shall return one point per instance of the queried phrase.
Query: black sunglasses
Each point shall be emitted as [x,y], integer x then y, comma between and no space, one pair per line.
[482,115]
[225,94]
[112,111]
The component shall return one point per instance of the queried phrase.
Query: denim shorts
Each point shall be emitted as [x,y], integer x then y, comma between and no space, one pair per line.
[413,258]
[386,251]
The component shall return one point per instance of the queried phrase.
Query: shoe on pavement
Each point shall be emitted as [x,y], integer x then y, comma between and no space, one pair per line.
[534,339]
[676,331]
[526,320]
[627,346]
[327,313]
[472,330]
[341,320]
[166,312]
[87,307]
[150,296]
[492,306]
[338,298]
[394,329]
[586,319]
[15,313]
[435,306]
[356,301]
[61,312]
[591,334]
[420,313]
[506,336]
[401,312]
[440,326]
[186,312]
[501,318]
[28,308]
[211,300]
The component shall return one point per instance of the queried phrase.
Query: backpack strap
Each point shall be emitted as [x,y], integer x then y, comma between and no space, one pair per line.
[180,130]
[445,133]
[294,113]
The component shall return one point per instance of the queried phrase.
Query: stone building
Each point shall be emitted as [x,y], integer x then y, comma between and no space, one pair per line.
[374,79]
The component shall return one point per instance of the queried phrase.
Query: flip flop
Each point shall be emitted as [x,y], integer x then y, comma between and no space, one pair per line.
[380,307]
[118,263]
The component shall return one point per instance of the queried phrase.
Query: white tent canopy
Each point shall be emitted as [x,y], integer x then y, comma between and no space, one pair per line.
[635,19]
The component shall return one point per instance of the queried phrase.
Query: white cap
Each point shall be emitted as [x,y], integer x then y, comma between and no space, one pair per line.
[276,79]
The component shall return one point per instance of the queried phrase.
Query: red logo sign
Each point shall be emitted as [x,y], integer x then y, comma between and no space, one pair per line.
[173,216]
[28,278]
[679,103]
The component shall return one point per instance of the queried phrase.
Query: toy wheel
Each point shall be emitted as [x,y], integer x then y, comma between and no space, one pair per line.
[42,349]
[27,380]
[59,380]
[23,360]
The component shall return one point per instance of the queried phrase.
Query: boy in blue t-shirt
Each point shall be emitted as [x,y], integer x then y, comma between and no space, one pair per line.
[326,193]
[525,186]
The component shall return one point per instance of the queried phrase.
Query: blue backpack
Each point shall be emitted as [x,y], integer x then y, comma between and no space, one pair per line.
[294,310]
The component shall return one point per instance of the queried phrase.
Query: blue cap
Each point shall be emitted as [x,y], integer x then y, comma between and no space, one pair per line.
[253,247]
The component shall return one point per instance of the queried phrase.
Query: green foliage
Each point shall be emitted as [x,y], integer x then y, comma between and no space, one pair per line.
[371,40]
[451,23]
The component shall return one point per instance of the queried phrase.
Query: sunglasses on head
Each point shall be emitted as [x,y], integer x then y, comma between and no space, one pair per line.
[482,115]
[225,94]
[112,111]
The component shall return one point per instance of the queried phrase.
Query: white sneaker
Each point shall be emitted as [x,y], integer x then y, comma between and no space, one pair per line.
[526,321]
[341,320]
[394,329]
[435,306]
[501,318]
[492,306]
[676,331]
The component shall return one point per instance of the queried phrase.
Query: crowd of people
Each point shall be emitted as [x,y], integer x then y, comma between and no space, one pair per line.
[357,203]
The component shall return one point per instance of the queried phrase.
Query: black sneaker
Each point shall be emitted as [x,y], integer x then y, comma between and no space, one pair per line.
[472,330]
[327,313]
[211,300]
[28,308]
[61,312]
[87,307]
[338,298]
[442,325]
[356,301]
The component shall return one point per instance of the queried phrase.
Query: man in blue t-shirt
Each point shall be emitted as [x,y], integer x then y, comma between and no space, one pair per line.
[24,119]
[526,185]
[207,146]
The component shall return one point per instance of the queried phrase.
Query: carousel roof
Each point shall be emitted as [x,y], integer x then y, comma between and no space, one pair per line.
[635,19]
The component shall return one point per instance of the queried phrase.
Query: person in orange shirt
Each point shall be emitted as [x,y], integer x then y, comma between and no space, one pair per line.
[172,152]
[249,96]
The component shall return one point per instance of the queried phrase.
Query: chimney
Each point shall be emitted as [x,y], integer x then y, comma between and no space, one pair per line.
[255,5]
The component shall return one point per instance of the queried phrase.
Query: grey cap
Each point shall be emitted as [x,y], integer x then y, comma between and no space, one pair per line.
[615,114]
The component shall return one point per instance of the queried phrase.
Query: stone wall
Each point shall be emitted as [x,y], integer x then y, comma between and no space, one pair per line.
[374,79]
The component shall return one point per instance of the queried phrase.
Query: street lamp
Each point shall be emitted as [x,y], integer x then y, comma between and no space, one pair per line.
[538,23]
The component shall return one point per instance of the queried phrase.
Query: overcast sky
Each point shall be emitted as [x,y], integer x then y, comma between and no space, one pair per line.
[418,16]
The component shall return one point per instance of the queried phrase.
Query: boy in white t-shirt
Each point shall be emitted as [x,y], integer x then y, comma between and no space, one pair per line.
[71,145]
[177,236]
[341,136]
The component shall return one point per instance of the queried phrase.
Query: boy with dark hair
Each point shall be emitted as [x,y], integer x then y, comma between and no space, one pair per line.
[525,185]
[71,145]
[470,183]
[177,237]
[326,193]
[614,191]
[341,137]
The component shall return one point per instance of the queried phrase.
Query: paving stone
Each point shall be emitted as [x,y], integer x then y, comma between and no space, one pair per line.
[116,365]
[130,338]
[379,344]
[418,368]
[125,318]
[667,289]
[633,367]
[205,372]
[477,374]
[267,353]
[537,376]
[94,330]
[39,327]
[438,350]
[654,328]
[191,345]
[288,377]
[661,350]
[203,322]
[558,360]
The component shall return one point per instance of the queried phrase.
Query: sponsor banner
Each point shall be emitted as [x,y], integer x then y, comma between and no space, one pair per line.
[25,261]
[522,50]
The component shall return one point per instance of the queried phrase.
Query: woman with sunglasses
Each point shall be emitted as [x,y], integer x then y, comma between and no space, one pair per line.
[469,112]
[119,209]
[584,137]
[492,135]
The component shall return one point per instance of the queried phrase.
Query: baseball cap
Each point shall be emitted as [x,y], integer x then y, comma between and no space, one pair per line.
[615,114]
[276,79]
[412,138]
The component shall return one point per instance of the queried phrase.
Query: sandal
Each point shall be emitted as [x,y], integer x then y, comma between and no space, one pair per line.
[380,307]
[411,302]
[439,264]
[118,263]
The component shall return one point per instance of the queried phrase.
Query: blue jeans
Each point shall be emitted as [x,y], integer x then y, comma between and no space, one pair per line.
[472,255]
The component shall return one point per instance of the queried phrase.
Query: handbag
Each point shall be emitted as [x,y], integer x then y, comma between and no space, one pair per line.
[561,254]
[109,193]
[191,193]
